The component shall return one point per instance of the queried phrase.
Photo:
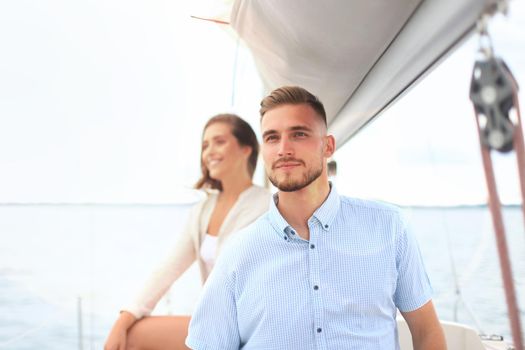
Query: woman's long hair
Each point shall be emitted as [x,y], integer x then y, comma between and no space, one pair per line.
[244,134]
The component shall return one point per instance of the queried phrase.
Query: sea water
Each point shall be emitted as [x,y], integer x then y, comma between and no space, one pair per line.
[66,270]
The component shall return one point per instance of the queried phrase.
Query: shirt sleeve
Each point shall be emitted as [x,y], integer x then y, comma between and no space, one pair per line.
[214,323]
[175,264]
[413,288]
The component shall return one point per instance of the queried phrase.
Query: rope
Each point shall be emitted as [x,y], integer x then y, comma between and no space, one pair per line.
[458,282]
[234,69]
[483,106]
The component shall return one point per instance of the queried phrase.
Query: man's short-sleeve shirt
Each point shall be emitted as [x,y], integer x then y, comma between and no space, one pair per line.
[271,289]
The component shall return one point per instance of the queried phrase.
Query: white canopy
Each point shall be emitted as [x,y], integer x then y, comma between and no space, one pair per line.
[357,56]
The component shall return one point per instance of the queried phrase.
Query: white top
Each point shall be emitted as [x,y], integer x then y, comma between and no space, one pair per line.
[251,204]
[209,251]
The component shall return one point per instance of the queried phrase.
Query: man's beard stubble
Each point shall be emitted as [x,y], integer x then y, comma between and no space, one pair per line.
[289,185]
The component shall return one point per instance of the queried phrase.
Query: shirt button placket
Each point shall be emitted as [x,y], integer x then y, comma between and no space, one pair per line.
[314,258]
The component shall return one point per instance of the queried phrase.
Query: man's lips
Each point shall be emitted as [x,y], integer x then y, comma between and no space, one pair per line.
[287,164]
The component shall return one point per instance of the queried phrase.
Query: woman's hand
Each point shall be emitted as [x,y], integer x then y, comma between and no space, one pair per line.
[117,337]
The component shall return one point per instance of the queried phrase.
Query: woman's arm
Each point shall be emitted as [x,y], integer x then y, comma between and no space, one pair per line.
[159,282]
[117,337]
[169,270]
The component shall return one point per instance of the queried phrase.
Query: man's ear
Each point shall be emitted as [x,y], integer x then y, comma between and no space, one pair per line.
[329,147]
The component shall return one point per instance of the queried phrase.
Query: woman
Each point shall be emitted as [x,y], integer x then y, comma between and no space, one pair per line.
[228,160]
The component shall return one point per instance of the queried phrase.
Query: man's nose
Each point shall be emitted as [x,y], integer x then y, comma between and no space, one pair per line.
[285,148]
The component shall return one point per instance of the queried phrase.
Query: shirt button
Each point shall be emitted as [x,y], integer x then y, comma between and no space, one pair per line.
[285,238]
[325,226]
[316,287]
[312,246]
[292,232]
[319,330]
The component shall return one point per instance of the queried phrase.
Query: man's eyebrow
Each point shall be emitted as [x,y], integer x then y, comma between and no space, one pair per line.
[292,128]
[300,128]
[269,132]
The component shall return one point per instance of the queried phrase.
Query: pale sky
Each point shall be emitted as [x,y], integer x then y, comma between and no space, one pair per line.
[425,149]
[104,101]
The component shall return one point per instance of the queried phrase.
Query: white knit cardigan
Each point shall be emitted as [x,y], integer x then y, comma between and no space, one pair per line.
[251,204]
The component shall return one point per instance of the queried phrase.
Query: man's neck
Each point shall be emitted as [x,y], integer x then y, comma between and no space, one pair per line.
[298,206]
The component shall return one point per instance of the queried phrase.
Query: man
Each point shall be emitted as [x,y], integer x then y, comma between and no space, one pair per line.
[319,270]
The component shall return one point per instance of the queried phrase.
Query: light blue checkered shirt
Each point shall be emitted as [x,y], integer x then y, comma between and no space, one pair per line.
[270,289]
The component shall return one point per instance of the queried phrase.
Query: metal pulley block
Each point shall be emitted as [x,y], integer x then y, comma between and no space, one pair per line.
[491,92]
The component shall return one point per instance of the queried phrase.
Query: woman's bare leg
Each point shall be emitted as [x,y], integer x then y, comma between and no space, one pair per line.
[159,332]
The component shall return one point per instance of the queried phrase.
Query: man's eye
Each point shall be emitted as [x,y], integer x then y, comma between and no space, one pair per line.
[299,134]
[270,138]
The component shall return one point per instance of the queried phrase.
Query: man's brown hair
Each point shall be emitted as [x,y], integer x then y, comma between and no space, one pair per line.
[294,95]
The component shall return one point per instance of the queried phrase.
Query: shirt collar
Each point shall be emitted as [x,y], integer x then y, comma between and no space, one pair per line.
[326,213]
[276,219]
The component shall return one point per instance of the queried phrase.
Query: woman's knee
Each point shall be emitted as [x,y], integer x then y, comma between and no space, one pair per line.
[158,333]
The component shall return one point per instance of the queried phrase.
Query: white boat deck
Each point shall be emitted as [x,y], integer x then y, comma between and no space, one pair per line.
[458,337]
